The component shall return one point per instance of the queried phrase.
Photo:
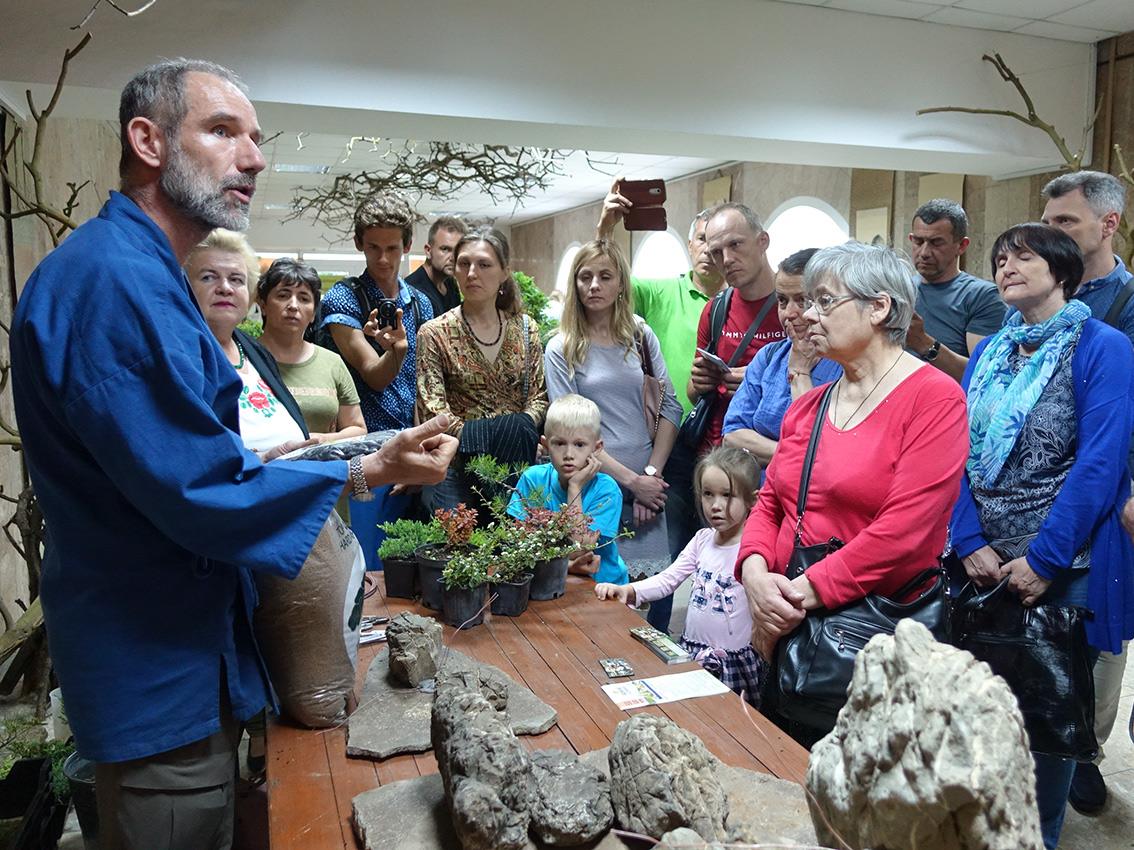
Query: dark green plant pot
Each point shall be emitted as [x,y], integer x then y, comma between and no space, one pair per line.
[463,607]
[511,597]
[550,579]
[401,576]
[431,560]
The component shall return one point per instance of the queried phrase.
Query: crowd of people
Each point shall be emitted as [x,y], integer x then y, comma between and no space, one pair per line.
[920,413]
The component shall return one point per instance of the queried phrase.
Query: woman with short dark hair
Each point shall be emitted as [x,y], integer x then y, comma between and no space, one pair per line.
[1050,418]
[288,295]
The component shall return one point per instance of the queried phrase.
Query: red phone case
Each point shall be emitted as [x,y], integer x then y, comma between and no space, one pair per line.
[645,218]
[646,197]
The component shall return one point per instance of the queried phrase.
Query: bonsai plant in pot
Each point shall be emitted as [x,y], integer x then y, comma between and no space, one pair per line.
[512,577]
[457,527]
[554,535]
[399,565]
[464,582]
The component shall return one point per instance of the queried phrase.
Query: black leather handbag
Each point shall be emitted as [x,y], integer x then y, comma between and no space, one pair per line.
[815,662]
[1042,653]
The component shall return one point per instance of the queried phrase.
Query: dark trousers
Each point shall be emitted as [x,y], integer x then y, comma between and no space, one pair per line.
[182,799]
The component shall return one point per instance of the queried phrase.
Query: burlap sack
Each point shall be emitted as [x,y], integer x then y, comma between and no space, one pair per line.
[308,628]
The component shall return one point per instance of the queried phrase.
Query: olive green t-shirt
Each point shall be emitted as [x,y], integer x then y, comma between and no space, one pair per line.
[672,308]
[320,384]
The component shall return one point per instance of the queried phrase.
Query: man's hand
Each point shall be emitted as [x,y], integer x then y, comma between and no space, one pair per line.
[1025,581]
[418,455]
[1128,516]
[705,377]
[623,593]
[916,337]
[614,207]
[733,378]
[983,567]
[650,491]
[391,339]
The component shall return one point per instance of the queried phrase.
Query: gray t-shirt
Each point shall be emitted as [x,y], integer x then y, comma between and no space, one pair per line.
[612,379]
[963,305]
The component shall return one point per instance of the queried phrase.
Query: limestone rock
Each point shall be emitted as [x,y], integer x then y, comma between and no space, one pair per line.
[662,777]
[685,839]
[415,643]
[929,752]
[485,771]
[570,800]
[489,682]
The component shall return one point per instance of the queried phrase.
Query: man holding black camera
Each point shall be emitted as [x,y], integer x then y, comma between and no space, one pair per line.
[384,370]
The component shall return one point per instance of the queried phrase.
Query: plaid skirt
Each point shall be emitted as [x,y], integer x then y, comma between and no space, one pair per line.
[742,670]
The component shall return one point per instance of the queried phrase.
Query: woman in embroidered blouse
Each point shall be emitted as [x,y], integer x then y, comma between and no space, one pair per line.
[288,295]
[1050,419]
[222,270]
[598,354]
[482,365]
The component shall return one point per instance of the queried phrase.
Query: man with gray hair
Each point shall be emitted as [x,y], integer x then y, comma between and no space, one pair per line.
[158,516]
[1087,206]
[954,310]
[434,277]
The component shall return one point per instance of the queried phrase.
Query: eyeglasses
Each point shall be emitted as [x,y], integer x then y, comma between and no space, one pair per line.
[824,304]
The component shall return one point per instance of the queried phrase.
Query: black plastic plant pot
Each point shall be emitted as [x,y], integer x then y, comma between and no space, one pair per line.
[511,597]
[401,576]
[431,560]
[463,607]
[80,775]
[549,580]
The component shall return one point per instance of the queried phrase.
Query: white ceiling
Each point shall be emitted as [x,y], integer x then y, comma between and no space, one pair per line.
[676,85]
[1087,21]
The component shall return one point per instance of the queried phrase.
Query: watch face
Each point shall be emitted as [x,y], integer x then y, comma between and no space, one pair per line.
[651,470]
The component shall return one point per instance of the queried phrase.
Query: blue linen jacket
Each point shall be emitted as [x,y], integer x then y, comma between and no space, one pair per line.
[155,512]
[1090,504]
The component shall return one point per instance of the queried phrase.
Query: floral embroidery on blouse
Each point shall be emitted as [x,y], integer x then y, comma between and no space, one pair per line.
[260,399]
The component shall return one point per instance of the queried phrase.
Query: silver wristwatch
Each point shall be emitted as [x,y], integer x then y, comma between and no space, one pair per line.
[359,490]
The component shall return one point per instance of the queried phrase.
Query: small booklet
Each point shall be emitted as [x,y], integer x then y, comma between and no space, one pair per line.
[661,644]
[659,689]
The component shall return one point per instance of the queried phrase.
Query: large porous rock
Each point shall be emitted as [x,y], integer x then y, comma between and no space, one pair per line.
[489,682]
[662,778]
[929,752]
[485,771]
[415,642]
[570,801]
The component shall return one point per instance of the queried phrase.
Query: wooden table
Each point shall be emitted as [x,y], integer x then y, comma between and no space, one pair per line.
[554,649]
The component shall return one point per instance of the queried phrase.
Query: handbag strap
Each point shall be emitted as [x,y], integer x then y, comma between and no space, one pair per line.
[644,355]
[527,376]
[809,458]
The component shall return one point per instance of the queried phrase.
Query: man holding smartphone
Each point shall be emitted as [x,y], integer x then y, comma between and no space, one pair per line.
[384,372]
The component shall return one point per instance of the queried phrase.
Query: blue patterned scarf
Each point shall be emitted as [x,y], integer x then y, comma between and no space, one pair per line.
[1000,401]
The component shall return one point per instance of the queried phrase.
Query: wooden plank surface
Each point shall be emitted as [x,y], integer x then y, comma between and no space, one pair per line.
[554,650]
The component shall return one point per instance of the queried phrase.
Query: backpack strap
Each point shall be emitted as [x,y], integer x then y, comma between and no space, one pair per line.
[717,314]
[1115,311]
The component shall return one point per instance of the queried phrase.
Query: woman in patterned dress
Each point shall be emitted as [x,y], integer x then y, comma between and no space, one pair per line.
[1050,418]
[481,364]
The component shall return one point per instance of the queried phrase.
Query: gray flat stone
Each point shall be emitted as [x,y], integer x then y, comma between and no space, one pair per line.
[411,815]
[393,718]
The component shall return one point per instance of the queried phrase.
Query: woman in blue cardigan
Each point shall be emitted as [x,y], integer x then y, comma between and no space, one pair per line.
[1051,409]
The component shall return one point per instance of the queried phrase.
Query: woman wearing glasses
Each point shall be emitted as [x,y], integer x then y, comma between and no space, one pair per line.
[887,469]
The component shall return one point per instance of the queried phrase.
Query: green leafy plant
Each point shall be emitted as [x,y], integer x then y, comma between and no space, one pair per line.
[251,327]
[405,536]
[468,569]
[535,304]
[22,737]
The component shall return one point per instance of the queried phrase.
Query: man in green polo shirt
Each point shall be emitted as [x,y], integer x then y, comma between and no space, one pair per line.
[672,308]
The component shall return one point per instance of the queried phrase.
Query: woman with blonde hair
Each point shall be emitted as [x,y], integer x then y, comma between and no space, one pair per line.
[605,353]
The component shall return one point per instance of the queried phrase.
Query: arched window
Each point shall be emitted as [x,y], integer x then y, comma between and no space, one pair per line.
[803,223]
[561,281]
[661,254]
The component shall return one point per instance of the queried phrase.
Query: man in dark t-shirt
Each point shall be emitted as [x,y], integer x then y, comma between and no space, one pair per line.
[434,278]
[954,310]
[738,245]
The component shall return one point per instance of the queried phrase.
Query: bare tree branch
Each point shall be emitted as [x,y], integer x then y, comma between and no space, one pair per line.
[114,6]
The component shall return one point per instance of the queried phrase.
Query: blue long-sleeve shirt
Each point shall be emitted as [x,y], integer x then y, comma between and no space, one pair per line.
[1089,506]
[155,512]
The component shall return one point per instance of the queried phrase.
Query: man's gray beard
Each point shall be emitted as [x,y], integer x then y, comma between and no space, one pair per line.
[197,197]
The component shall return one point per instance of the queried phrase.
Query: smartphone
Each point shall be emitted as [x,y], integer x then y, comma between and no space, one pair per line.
[646,198]
[712,358]
[387,313]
